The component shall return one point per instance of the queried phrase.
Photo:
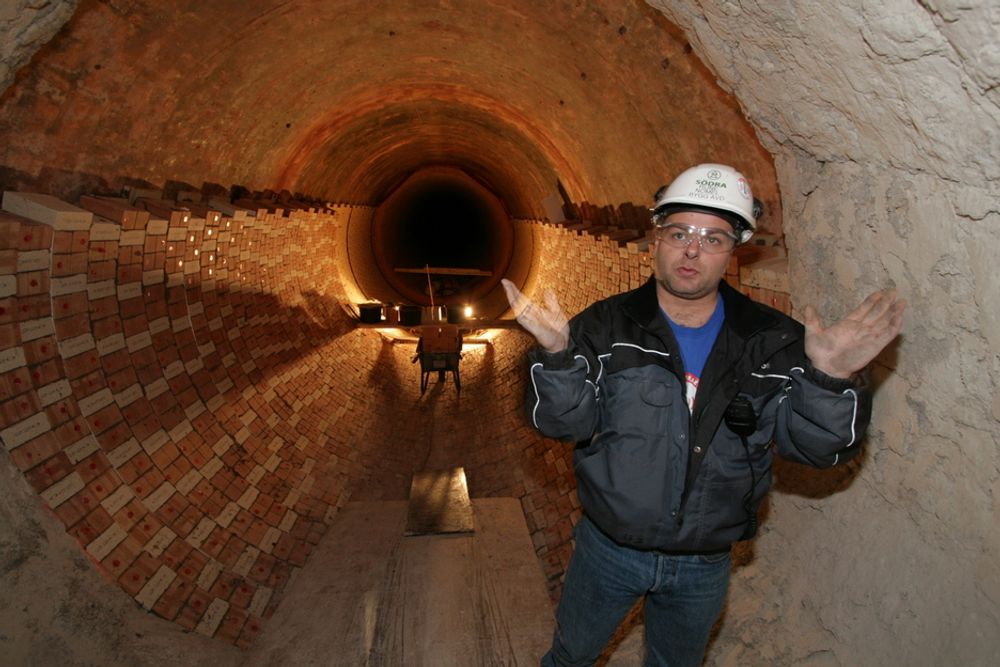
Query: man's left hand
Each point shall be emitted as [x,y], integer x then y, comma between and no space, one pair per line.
[847,346]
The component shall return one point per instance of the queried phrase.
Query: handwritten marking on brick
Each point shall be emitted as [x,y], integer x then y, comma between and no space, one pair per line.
[222,445]
[82,448]
[63,490]
[139,341]
[77,345]
[153,277]
[209,574]
[174,369]
[156,440]
[246,561]
[160,324]
[112,343]
[212,467]
[154,389]
[259,602]
[187,483]
[129,396]
[54,392]
[119,499]
[201,532]
[8,286]
[33,329]
[123,453]
[11,358]
[227,514]
[216,402]
[183,429]
[107,541]
[100,290]
[68,285]
[129,291]
[209,623]
[156,546]
[156,499]
[25,430]
[194,409]
[155,587]
[33,260]
[96,401]
[270,538]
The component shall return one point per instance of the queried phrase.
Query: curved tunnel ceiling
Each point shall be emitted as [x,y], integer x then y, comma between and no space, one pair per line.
[344,100]
[373,150]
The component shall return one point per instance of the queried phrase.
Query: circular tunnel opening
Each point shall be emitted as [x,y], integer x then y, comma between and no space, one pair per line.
[443,226]
[444,235]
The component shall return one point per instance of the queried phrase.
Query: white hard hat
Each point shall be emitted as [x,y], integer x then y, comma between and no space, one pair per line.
[714,188]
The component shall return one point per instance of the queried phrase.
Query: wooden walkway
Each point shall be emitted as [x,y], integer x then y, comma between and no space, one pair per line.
[370,596]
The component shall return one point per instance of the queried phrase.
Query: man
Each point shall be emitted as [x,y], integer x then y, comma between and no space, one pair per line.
[675,393]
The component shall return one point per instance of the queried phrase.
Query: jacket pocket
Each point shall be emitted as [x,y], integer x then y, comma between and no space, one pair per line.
[636,403]
[655,394]
[625,481]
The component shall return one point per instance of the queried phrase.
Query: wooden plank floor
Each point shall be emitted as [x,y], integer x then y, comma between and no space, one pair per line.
[439,503]
[368,596]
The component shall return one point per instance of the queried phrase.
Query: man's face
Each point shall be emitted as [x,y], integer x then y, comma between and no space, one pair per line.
[690,272]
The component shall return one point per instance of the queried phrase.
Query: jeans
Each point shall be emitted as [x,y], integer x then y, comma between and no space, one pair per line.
[684,597]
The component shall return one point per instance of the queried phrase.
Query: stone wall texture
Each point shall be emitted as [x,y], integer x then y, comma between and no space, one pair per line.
[26,26]
[877,160]
[883,119]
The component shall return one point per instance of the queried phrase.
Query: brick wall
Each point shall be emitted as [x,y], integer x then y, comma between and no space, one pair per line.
[188,397]
[186,393]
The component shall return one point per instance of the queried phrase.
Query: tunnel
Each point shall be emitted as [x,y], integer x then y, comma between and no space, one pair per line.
[199,198]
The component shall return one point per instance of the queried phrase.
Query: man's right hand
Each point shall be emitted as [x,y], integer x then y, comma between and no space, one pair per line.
[547,324]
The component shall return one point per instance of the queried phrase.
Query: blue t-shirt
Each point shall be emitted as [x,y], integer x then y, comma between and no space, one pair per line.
[695,344]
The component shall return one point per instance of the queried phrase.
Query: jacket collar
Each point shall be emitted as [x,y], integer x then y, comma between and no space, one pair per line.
[744,316]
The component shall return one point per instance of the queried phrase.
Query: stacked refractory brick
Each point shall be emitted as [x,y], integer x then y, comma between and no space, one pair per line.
[186,394]
[148,398]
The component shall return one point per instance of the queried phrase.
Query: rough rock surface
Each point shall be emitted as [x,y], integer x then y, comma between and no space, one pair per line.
[26,25]
[883,120]
[56,610]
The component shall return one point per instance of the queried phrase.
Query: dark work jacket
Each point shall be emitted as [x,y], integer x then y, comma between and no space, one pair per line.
[651,474]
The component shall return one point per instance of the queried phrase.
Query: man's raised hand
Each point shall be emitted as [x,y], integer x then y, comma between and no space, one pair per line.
[548,324]
[847,346]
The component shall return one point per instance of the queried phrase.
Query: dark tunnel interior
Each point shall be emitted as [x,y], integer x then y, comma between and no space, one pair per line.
[442,237]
